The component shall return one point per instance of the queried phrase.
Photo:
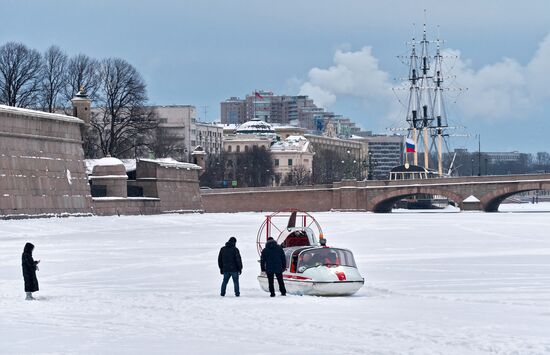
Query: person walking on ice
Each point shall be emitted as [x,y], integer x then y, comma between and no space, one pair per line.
[231,265]
[30,266]
[273,262]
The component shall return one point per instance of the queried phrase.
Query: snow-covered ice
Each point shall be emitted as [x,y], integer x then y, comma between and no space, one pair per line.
[443,283]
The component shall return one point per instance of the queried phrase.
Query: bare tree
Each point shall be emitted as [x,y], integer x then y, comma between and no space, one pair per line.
[121,121]
[20,73]
[214,173]
[163,144]
[328,166]
[82,73]
[543,158]
[250,168]
[53,78]
[298,175]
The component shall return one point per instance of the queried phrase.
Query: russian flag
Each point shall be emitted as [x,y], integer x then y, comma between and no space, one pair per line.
[409,143]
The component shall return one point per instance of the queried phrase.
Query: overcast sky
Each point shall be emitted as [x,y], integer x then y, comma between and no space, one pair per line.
[342,53]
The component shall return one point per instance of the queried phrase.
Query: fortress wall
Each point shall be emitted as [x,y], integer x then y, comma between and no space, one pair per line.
[41,164]
[108,206]
[177,188]
[257,200]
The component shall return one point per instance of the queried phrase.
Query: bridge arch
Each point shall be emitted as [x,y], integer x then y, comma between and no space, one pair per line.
[492,200]
[383,202]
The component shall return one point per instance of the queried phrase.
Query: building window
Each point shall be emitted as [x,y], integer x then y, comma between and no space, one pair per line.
[238,148]
[246,148]
[276,163]
[229,148]
[289,162]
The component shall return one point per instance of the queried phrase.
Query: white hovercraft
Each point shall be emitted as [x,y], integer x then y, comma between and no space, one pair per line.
[313,268]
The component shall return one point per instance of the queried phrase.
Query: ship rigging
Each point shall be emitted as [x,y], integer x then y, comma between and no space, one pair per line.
[426,117]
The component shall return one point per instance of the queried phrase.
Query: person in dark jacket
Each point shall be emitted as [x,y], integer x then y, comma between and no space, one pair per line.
[273,262]
[29,271]
[231,265]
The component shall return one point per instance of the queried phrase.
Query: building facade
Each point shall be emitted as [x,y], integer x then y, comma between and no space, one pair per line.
[297,110]
[180,122]
[384,153]
[499,157]
[249,134]
[233,111]
[209,137]
[292,152]
[355,149]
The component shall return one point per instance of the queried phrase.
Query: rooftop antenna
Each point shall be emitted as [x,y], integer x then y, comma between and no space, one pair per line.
[205,110]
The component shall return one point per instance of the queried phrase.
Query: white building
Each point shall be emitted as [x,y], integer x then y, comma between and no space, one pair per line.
[209,137]
[292,152]
[249,134]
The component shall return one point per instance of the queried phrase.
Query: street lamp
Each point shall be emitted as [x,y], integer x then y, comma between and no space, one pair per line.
[347,171]
[479,154]
[369,176]
[472,167]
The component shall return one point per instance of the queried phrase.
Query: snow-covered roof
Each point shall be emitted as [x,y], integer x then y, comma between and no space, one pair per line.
[292,143]
[129,164]
[255,126]
[287,126]
[34,113]
[108,161]
[471,198]
[172,163]
[227,125]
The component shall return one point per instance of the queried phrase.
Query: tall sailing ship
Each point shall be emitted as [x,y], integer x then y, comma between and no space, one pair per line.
[426,117]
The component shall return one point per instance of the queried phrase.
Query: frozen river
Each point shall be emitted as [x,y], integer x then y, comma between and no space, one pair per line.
[443,283]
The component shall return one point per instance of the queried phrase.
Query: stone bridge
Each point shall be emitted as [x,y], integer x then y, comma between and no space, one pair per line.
[375,196]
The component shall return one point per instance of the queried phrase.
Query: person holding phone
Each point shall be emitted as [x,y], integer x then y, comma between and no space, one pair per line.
[30,266]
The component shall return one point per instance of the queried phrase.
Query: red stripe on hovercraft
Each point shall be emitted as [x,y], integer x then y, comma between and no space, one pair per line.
[296,277]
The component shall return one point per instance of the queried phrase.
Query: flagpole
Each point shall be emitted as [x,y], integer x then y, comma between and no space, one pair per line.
[415,155]
[426,148]
[406,153]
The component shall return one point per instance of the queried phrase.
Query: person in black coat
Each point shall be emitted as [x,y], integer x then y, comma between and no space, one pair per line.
[273,262]
[29,270]
[231,265]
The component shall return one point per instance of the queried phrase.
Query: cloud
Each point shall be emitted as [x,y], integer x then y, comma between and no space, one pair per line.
[321,97]
[538,71]
[503,90]
[495,91]
[353,74]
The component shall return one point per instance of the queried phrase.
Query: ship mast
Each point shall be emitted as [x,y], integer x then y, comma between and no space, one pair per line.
[414,99]
[426,113]
[439,106]
[425,96]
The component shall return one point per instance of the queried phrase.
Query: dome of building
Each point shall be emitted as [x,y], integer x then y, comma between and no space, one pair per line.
[255,126]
